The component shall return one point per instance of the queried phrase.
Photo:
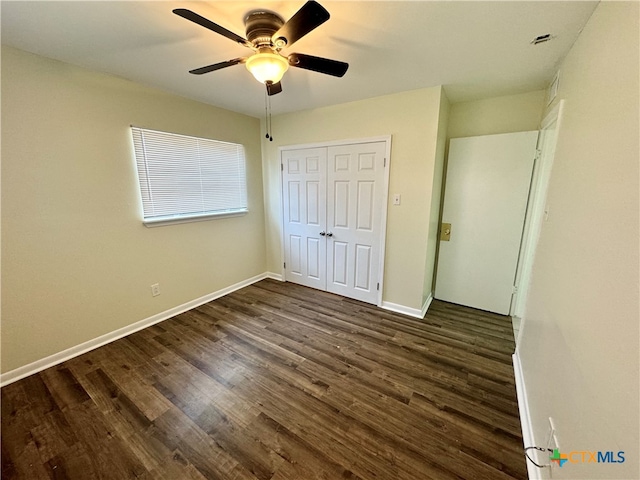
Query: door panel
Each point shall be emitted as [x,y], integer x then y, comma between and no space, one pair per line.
[304,184]
[486,191]
[364,215]
[313,204]
[313,259]
[293,189]
[355,179]
[341,205]
[363,267]
[295,254]
[340,258]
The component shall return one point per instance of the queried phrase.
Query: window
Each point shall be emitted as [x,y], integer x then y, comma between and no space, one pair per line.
[186,178]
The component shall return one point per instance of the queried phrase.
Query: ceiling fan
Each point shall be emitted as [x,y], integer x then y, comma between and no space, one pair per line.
[267,34]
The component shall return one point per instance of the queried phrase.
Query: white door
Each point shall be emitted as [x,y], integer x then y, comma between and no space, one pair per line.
[355,179]
[334,202]
[486,191]
[304,184]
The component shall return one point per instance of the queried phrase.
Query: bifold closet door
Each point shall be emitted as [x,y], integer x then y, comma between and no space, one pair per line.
[333,202]
[304,182]
[355,203]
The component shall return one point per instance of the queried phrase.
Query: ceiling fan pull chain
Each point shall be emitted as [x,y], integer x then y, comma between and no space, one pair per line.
[266,115]
[270,123]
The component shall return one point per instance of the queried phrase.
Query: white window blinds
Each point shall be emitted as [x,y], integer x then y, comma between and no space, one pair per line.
[184,177]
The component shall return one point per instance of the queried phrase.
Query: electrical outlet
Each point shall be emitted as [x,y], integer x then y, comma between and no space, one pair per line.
[396,199]
[155,289]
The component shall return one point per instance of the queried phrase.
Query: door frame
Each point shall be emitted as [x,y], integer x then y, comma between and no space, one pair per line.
[535,214]
[385,196]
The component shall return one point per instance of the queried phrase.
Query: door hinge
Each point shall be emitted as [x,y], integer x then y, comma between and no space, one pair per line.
[514,290]
[538,154]
[378,287]
[284,265]
[384,163]
[282,167]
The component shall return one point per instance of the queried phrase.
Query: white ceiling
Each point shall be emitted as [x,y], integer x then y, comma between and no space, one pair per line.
[476,49]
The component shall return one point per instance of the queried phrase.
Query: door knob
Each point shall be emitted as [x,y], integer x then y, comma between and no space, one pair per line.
[329,234]
[322,233]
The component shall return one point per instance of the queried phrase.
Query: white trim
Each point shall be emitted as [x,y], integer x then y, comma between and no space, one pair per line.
[555,114]
[427,304]
[283,254]
[525,415]
[412,312]
[385,214]
[395,307]
[552,89]
[520,332]
[535,210]
[39,365]
[275,276]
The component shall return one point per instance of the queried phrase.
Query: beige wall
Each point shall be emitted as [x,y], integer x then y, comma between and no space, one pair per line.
[412,120]
[511,113]
[579,350]
[436,199]
[76,260]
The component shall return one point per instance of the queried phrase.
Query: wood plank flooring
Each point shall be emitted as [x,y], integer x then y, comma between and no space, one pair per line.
[277,382]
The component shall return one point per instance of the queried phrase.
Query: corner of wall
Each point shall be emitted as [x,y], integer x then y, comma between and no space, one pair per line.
[436,198]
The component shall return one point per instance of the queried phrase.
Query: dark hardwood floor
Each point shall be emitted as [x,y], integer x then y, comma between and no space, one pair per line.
[280,382]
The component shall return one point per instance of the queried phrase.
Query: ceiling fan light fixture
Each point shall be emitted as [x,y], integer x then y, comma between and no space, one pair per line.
[267,66]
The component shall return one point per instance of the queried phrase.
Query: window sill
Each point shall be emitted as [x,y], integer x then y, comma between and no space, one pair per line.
[162,221]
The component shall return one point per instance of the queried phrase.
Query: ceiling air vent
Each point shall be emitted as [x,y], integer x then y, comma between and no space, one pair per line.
[542,38]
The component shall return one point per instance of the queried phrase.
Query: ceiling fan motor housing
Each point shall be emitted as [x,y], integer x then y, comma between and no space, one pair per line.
[261,25]
[267,35]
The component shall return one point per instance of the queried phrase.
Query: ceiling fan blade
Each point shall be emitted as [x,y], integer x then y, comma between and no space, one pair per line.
[206,23]
[318,64]
[310,16]
[273,88]
[217,66]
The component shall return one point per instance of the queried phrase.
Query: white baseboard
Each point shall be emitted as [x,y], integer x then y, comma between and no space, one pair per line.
[412,312]
[274,276]
[427,304]
[525,416]
[56,358]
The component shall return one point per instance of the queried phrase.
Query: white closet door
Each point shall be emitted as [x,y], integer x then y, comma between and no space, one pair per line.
[355,204]
[305,198]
